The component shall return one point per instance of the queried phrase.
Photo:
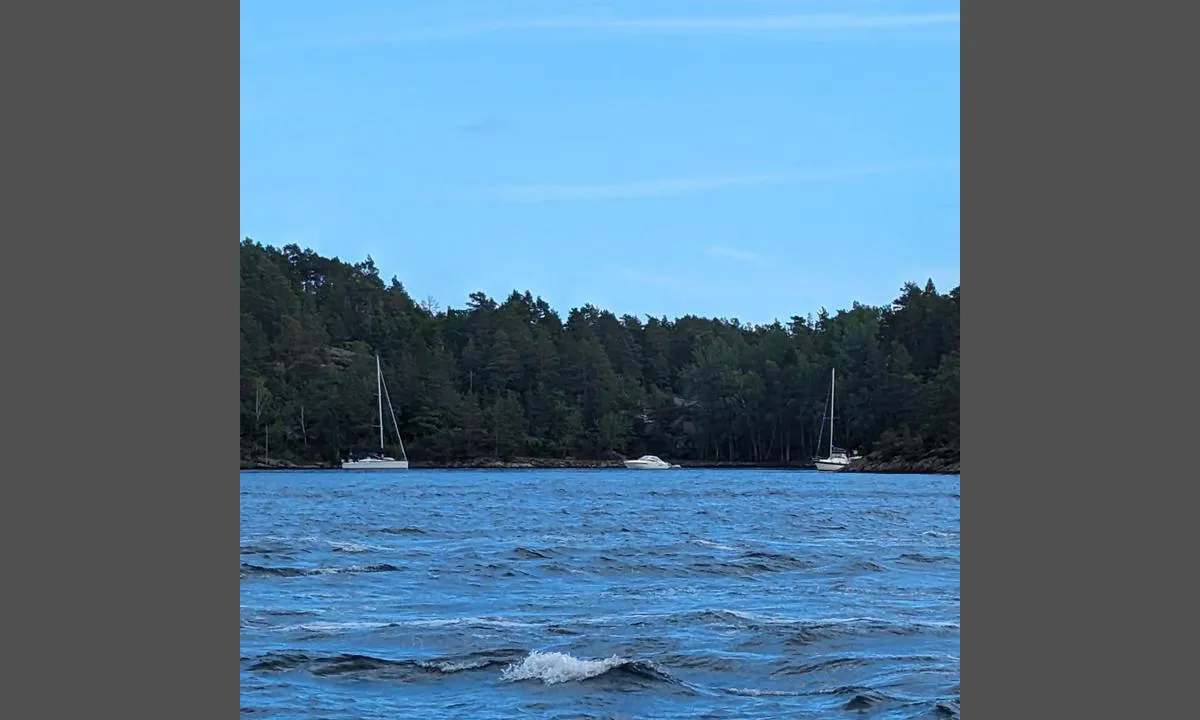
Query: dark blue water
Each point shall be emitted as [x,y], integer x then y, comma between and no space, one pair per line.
[607,593]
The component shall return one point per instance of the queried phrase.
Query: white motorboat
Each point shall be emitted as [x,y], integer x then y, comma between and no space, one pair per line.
[649,462]
[381,461]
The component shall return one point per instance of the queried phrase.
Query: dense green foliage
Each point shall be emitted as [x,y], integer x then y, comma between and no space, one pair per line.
[512,379]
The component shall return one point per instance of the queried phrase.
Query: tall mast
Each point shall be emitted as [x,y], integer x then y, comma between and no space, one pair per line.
[832,382]
[379,391]
[388,396]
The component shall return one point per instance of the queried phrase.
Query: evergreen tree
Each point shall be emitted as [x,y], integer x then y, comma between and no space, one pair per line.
[511,379]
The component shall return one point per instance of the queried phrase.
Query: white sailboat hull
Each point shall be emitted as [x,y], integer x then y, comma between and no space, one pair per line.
[837,460]
[375,465]
[830,466]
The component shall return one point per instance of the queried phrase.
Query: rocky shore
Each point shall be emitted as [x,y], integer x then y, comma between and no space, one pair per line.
[522,463]
[476,464]
[274,464]
[572,463]
[944,461]
[940,462]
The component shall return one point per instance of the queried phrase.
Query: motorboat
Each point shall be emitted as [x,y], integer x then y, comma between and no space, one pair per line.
[649,462]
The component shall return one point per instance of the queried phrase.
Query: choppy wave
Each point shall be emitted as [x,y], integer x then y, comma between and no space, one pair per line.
[250,570]
[940,533]
[567,595]
[531,554]
[291,612]
[275,545]
[337,628]
[709,543]
[811,629]
[757,692]
[514,665]
[471,622]
[553,668]
[354,548]
[268,550]
[348,664]
[923,558]
[822,665]
[866,701]
[864,565]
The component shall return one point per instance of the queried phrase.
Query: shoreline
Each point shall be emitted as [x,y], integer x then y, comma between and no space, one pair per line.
[890,466]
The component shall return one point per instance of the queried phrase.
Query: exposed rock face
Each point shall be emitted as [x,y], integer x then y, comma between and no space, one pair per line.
[943,461]
[274,464]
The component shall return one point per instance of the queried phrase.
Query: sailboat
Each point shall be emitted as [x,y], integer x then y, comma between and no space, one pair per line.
[837,459]
[381,461]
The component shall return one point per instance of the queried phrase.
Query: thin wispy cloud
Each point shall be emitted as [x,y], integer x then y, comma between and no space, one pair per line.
[734,253]
[670,25]
[761,23]
[668,187]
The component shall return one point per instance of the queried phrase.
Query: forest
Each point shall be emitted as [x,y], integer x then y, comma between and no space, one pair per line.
[512,378]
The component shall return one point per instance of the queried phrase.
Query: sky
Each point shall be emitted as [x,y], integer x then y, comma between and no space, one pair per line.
[749,159]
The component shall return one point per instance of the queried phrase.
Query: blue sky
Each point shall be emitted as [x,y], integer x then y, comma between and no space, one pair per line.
[736,158]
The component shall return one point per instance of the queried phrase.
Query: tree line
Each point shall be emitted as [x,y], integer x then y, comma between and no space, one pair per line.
[512,378]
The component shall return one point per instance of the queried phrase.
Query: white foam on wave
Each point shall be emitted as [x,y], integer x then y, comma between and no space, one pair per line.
[307,539]
[838,541]
[488,622]
[349,547]
[553,668]
[344,570]
[711,544]
[784,620]
[453,667]
[335,627]
[743,615]
[755,692]
[869,619]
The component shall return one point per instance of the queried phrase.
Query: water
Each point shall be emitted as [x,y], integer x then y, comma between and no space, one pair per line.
[599,594]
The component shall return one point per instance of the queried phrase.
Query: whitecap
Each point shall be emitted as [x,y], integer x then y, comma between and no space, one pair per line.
[486,622]
[555,667]
[711,544]
[336,627]
[349,547]
[755,692]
